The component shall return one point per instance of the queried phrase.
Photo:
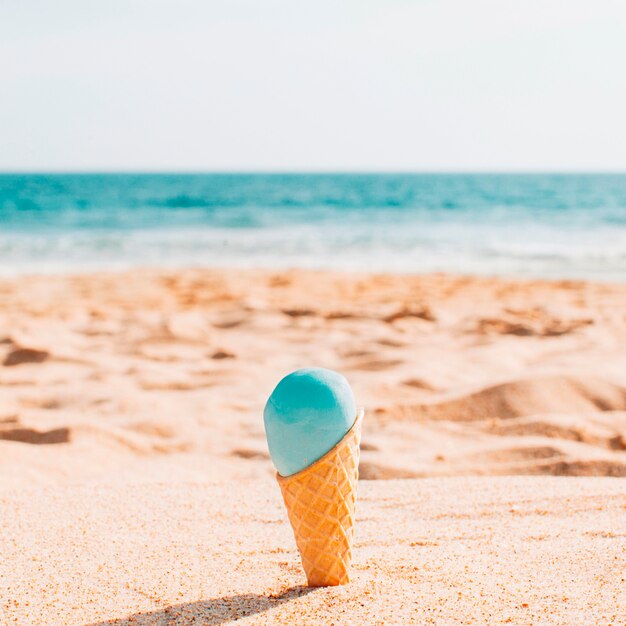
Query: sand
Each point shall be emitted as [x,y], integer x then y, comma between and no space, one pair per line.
[131,440]
[488,550]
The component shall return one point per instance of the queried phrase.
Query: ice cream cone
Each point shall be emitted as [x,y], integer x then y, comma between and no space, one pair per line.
[320,502]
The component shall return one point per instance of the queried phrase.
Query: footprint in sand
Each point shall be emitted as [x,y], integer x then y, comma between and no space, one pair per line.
[247,453]
[369,447]
[419,383]
[223,354]
[36,437]
[18,355]
[374,471]
[375,365]
[525,397]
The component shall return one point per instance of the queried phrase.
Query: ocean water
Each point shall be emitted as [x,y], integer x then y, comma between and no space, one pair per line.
[571,226]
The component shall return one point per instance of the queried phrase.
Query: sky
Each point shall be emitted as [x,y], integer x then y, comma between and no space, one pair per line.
[349,85]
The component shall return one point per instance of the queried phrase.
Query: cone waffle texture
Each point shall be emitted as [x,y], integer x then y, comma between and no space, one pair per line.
[320,502]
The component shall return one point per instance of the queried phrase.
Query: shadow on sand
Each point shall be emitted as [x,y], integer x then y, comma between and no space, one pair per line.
[212,611]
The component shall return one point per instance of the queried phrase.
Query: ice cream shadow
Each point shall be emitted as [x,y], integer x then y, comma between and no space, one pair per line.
[212,611]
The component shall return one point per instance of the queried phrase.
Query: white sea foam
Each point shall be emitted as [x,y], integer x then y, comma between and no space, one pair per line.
[543,225]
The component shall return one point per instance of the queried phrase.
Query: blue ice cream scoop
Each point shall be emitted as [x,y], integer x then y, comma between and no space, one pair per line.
[308,414]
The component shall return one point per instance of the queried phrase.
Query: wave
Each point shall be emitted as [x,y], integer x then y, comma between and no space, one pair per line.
[550,226]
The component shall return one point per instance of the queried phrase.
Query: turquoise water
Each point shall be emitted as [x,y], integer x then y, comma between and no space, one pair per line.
[529,225]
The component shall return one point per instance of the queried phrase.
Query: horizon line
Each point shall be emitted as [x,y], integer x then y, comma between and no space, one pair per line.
[312,171]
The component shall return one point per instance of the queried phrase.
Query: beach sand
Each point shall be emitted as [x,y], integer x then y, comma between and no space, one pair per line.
[489,550]
[135,479]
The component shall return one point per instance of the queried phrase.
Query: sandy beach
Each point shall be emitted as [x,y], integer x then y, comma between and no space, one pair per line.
[136,485]
[388,238]
[501,550]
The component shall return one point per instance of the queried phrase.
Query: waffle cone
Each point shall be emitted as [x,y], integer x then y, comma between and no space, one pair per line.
[320,502]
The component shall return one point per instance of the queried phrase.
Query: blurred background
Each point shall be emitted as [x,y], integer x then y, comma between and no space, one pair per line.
[174,174]
[548,225]
[482,137]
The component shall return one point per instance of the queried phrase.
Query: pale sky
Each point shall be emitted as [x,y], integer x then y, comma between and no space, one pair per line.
[316,85]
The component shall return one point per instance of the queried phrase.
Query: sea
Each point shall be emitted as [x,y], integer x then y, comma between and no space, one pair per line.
[529,225]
